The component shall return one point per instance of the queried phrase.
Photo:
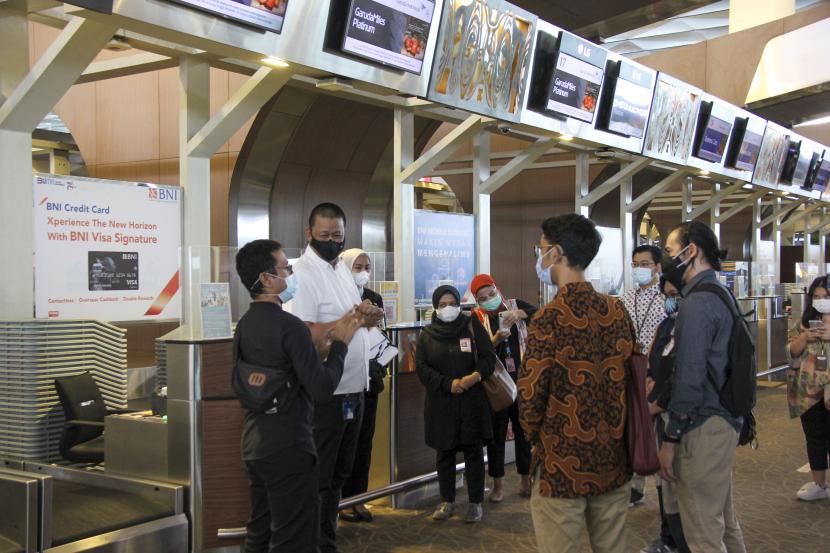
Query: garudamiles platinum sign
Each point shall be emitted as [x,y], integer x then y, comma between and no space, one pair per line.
[482,59]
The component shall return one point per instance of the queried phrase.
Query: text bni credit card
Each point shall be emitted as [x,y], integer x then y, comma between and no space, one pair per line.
[113,270]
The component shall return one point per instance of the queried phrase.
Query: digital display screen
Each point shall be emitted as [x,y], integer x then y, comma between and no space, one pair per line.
[802,167]
[629,109]
[822,176]
[748,154]
[575,88]
[790,162]
[713,143]
[389,32]
[263,14]
[113,270]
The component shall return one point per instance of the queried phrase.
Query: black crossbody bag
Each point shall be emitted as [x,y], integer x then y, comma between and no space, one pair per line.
[262,389]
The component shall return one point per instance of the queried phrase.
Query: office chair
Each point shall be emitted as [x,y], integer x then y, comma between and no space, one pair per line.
[84,408]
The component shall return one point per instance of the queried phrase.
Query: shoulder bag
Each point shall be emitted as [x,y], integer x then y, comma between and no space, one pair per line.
[499,387]
[642,442]
[262,389]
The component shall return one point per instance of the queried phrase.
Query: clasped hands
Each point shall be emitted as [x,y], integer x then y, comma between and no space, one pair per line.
[461,385]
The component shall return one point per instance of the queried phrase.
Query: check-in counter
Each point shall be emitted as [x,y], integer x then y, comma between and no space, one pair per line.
[768,322]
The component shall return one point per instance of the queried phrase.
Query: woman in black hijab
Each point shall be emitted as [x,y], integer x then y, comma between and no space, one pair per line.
[452,356]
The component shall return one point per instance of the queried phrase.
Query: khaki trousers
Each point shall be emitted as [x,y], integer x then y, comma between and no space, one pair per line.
[560,524]
[703,465]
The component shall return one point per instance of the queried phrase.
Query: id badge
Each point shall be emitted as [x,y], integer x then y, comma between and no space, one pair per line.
[348,410]
[510,364]
[466,345]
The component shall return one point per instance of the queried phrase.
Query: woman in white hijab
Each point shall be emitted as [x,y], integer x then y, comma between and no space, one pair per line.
[359,263]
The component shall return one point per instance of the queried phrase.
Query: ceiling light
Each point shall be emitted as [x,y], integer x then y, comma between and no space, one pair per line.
[566,137]
[704,172]
[813,122]
[747,187]
[274,61]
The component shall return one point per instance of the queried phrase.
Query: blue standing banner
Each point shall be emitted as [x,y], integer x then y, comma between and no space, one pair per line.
[444,252]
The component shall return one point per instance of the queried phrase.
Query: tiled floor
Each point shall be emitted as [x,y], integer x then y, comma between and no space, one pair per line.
[765,484]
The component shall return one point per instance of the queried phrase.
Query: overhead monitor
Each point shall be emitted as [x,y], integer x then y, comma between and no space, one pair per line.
[791,161]
[714,125]
[822,176]
[263,14]
[812,171]
[571,85]
[626,99]
[672,120]
[393,33]
[744,146]
[802,167]
[774,149]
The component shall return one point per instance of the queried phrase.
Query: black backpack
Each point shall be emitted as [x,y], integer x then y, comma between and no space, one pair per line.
[739,393]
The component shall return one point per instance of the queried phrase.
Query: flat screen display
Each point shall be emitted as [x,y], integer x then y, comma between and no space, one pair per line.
[822,176]
[748,153]
[574,89]
[263,14]
[802,167]
[790,162]
[629,109]
[389,32]
[671,123]
[713,139]
[812,170]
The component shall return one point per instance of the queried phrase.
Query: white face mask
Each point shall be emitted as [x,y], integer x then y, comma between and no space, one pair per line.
[361,278]
[449,313]
[822,306]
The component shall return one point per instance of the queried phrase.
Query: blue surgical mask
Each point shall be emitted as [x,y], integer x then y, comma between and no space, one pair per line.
[672,304]
[492,304]
[291,285]
[543,274]
[642,275]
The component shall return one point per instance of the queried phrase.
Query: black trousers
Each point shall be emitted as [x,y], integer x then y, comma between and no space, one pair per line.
[495,449]
[816,424]
[358,482]
[336,441]
[671,529]
[473,470]
[284,505]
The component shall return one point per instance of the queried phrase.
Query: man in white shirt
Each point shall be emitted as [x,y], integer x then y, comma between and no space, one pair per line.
[647,310]
[326,294]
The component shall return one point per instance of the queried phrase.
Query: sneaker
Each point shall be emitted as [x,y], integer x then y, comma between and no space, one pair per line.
[444,511]
[812,492]
[637,498]
[474,513]
[657,546]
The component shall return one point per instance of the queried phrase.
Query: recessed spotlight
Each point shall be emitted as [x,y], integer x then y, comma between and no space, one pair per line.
[566,137]
[274,61]
[704,172]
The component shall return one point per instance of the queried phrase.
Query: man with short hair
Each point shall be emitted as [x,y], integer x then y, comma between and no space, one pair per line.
[645,306]
[701,436]
[572,400]
[278,447]
[326,293]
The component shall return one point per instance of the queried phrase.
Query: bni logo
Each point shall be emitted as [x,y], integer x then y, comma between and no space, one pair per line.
[164,194]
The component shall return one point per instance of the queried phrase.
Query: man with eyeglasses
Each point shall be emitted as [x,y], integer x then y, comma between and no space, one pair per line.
[326,294]
[645,306]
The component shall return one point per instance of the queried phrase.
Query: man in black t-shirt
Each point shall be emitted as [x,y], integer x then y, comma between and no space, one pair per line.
[278,449]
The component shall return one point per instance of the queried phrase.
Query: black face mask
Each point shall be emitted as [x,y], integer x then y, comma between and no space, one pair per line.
[674,268]
[328,250]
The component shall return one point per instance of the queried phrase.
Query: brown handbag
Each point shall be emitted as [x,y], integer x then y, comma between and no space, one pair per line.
[499,387]
[642,443]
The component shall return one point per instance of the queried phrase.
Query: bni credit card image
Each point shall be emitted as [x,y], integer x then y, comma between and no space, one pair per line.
[113,270]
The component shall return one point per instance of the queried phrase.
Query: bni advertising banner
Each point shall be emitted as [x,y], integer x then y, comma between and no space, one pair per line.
[107,250]
[444,252]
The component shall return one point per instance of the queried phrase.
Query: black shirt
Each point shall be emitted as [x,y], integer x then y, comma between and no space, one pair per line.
[270,337]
